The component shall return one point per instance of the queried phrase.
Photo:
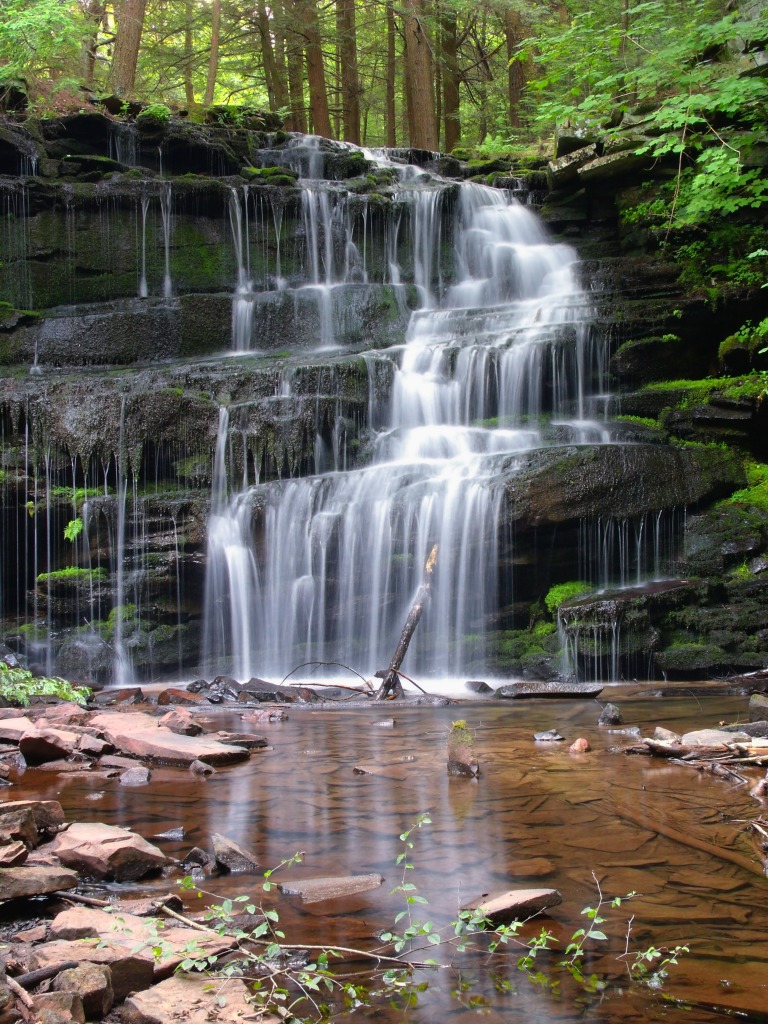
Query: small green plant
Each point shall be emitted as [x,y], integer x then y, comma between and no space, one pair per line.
[73,572]
[18,685]
[73,529]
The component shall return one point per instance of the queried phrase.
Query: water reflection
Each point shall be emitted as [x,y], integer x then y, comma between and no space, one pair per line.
[536,817]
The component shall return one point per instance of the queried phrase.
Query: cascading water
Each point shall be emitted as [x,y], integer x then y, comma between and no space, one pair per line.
[325,568]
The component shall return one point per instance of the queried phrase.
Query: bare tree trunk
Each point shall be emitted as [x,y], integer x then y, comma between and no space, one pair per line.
[392,685]
[95,13]
[514,31]
[418,78]
[318,94]
[130,24]
[451,122]
[213,61]
[189,92]
[274,68]
[391,116]
[350,80]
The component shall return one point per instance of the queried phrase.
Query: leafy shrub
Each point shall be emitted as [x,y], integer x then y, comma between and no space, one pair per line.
[18,686]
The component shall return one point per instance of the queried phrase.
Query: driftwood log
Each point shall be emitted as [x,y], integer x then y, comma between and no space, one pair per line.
[391,686]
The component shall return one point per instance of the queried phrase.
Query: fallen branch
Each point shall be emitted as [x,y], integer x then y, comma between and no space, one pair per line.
[644,820]
[391,686]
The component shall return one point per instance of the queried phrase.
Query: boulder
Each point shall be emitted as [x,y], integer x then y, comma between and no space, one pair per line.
[478,686]
[248,740]
[610,715]
[188,999]
[138,776]
[105,851]
[13,854]
[17,824]
[201,768]
[34,881]
[230,856]
[68,1004]
[565,170]
[181,722]
[514,904]
[129,971]
[579,746]
[41,745]
[91,984]
[12,729]
[141,736]
[758,707]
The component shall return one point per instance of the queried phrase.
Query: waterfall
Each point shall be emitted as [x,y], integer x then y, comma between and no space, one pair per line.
[326,567]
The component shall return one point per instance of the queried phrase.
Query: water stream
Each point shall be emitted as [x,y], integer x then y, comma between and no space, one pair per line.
[536,817]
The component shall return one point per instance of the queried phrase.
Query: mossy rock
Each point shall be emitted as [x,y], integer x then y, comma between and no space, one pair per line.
[274,175]
[692,657]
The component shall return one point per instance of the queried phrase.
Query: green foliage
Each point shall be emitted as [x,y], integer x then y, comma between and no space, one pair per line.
[562,592]
[18,686]
[38,37]
[73,529]
[155,114]
[689,105]
[756,494]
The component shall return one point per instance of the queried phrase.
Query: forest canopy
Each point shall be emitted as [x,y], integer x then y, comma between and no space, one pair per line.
[436,74]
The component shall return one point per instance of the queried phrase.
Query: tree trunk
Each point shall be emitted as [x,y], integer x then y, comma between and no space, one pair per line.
[418,78]
[392,685]
[213,61]
[318,94]
[274,73]
[391,116]
[451,122]
[514,32]
[350,81]
[130,23]
[189,91]
[94,14]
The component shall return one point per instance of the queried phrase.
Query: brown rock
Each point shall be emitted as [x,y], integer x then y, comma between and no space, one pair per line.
[149,906]
[514,904]
[231,856]
[127,695]
[579,746]
[18,824]
[129,971]
[12,729]
[92,745]
[69,713]
[67,1003]
[266,715]
[92,983]
[13,854]
[37,934]
[34,881]
[105,851]
[201,768]
[314,890]
[41,745]
[180,721]
[140,735]
[192,1000]
[174,695]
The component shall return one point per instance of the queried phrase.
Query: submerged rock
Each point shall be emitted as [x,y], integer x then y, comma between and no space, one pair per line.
[513,904]
[550,690]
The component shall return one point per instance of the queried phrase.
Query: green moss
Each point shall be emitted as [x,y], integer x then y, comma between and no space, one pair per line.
[562,592]
[73,573]
[282,176]
[638,421]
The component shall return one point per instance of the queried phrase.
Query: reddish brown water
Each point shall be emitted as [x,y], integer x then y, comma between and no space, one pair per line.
[532,801]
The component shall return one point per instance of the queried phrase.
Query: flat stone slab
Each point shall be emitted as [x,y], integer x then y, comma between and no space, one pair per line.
[513,904]
[712,738]
[12,729]
[315,890]
[34,881]
[137,936]
[140,736]
[193,1000]
[555,690]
